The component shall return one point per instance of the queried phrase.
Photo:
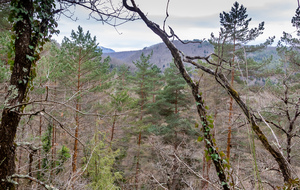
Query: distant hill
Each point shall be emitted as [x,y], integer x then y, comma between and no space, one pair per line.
[162,56]
[106,50]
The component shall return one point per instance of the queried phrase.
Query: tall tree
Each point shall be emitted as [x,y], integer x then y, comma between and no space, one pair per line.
[235,33]
[79,66]
[170,108]
[33,24]
[142,87]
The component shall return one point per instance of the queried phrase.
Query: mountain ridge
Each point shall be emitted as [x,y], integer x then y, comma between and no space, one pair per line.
[162,56]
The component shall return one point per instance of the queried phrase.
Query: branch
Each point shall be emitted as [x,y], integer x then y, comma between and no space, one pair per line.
[271,122]
[279,147]
[167,14]
[195,173]
[159,183]
[48,187]
[62,126]
[107,14]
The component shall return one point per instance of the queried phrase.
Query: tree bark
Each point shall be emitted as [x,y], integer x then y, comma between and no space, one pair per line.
[26,41]
[16,94]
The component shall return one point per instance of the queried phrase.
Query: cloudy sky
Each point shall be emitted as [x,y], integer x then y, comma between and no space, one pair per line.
[190,19]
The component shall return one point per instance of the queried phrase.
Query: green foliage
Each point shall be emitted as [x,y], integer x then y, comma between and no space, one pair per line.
[6,47]
[79,60]
[167,111]
[121,100]
[63,155]
[142,78]
[123,77]
[235,25]
[46,146]
[100,165]
[235,34]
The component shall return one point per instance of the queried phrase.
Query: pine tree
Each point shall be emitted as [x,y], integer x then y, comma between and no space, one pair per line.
[230,45]
[123,77]
[170,104]
[80,68]
[142,87]
[170,120]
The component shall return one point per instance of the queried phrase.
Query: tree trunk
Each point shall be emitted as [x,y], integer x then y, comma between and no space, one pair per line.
[16,94]
[74,161]
[113,128]
[138,162]
[231,102]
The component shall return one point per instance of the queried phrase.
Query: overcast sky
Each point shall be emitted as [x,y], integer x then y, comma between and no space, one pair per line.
[190,19]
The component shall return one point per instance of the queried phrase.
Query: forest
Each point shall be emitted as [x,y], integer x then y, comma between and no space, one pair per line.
[225,118]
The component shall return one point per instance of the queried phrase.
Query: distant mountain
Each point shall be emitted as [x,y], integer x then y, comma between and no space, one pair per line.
[106,50]
[162,56]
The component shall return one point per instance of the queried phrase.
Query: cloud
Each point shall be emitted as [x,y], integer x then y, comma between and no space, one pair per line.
[190,19]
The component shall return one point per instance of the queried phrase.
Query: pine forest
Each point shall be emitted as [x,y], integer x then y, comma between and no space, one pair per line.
[223,115]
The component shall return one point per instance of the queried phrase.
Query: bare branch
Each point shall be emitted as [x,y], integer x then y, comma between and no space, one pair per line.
[158,182]
[167,15]
[46,186]
[195,173]
[62,126]
[104,10]
[275,137]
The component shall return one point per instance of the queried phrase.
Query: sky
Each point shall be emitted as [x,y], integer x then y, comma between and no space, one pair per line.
[190,19]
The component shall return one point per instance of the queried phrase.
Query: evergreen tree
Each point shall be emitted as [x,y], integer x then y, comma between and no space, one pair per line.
[123,77]
[141,80]
[171,104]
[230,45]
[100,166]
[142,87]
[63,155]
[170,119]
[80,68]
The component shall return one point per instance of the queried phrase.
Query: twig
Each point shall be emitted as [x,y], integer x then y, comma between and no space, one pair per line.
[278,145]
[159,183]
[195,173]
[62,126]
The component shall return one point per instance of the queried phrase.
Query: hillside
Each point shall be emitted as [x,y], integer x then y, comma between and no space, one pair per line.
[162,57]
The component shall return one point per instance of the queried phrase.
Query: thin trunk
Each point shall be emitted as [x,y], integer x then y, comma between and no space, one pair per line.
[40,136]
[176,101]
[20,158]
[113,128]
[52,153]
[231,102]
[30,165]
[288,147]
[153,96]
[142,99]
[138,162]
[139,138]
[74,162]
